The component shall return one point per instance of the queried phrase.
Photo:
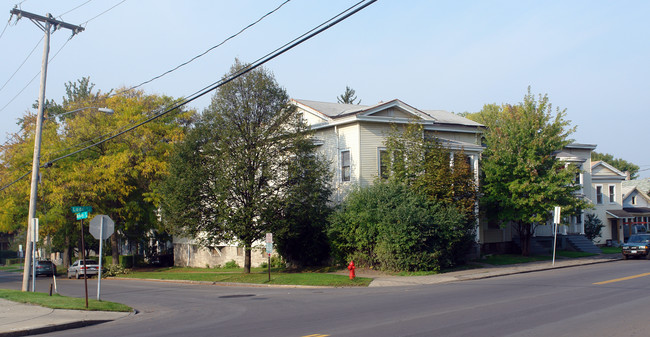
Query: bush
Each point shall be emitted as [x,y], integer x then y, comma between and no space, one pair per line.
[130,261]
[114,270]
[392,227]
[232,264]
[276,262]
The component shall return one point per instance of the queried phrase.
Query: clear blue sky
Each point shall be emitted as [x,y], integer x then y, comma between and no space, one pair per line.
[591,57]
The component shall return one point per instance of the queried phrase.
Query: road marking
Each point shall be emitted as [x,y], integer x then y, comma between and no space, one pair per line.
[316,335]
[623,278]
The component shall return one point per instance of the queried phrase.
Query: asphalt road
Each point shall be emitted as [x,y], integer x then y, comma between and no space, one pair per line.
[561,302]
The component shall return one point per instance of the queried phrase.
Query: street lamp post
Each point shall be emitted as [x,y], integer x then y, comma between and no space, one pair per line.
[35,173]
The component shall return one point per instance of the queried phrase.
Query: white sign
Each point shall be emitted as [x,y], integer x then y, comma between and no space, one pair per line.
[35,229]
[269,237]
[101,227]
[556,218]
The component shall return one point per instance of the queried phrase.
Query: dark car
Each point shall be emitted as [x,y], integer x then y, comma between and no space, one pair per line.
[637,245]
[46,268]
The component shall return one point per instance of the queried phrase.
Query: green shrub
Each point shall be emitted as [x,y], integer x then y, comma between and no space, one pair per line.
[593,226]
[390,226]
[232,264]
[114,270]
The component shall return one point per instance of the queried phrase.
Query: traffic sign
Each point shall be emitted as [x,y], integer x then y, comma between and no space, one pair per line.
[81,209]
[101,227]
[82,215]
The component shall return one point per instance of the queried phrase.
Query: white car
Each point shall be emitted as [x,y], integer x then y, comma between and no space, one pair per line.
[79,268]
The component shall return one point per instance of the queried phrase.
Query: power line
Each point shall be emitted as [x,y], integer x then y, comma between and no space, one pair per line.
[35,76]
[261,61]
[205,52]
[83,4]
[102,13]
[22,64]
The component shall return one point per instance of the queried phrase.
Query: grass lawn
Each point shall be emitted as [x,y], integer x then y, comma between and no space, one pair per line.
[572,254]
[61,302]
[257,276]
[611,250]
[12,267]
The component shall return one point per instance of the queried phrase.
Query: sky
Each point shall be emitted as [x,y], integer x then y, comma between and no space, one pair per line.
[591,58]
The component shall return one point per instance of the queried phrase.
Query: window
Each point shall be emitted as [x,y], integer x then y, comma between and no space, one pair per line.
[612,194]
[345,165]
[383,163]
[240,251]
[579,218]
[599,194]
[634,200]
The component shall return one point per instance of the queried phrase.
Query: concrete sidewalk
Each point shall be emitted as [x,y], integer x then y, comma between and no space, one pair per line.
[488,271]
[18,319]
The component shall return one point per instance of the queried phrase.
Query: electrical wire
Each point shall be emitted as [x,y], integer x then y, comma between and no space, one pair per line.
[261,61]
[35,76]
[205,52]
[102,13]
[83,4]
[22,64]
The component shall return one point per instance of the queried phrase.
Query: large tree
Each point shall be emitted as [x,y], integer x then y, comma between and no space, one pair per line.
[115,178]
[231,179]
[621,164]
[523,180]
[348,97]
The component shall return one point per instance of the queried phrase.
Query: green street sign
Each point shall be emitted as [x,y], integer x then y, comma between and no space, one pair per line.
[82,215]
[80,209]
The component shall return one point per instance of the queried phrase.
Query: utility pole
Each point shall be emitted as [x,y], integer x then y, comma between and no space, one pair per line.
[45,23]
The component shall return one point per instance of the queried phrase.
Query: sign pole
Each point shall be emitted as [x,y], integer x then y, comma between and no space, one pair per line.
[101,257]
[556,221]
[83,260]
[35,230]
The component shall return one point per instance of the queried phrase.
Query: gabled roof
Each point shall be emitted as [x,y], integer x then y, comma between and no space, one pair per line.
[641,184]
[334,111]
[627,191]
[616,173]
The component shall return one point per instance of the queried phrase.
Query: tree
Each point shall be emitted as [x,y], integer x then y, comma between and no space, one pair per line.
[593,226]
[115,178]
[348,97]
[621,164]
[231,179]
[421,161]
[523,180]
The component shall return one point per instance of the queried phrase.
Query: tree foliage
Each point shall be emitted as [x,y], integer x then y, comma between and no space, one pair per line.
[593,226]
[115,178]
[422,162]
[523,180]
[234,177]
[391,226]
[620,164]
[348,97]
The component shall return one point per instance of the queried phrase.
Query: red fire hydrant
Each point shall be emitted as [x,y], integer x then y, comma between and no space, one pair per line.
[351,269]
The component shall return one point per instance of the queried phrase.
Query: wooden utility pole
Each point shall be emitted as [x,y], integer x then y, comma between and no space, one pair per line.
[45,23]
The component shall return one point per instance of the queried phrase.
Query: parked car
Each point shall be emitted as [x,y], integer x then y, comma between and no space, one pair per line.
[637,245]
[79,268]
[44,267]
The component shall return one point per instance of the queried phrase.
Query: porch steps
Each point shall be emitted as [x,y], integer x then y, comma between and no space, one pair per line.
[582,244]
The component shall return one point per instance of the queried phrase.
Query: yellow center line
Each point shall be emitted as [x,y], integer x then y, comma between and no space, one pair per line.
[623,278]
[316,335]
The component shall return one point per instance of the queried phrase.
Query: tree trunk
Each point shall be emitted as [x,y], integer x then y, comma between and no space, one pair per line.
[66,252]
[247,258]
[115,249]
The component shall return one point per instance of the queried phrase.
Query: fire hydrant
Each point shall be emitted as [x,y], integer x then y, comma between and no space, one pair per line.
[351,269]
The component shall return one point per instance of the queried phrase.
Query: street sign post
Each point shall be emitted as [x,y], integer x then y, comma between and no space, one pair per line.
[82,213]
[269,249]
[556,221]
[101,227]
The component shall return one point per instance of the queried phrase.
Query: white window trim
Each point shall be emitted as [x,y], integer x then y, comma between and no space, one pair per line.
[379,151]
[609,194]
[601,194]
[340,168]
